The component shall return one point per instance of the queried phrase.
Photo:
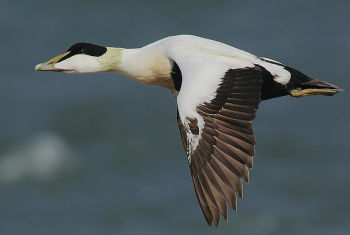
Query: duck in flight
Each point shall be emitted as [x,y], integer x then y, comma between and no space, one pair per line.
[218,89]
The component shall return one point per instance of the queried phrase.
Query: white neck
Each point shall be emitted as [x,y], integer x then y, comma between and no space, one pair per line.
[130,63]
[147,65]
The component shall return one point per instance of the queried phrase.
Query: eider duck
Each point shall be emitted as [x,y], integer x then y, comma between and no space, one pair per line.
[218,89]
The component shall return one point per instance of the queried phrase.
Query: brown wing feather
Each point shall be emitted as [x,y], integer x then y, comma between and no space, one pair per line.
[226,147]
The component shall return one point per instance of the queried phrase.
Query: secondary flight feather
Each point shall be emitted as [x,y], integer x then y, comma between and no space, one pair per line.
[218,89]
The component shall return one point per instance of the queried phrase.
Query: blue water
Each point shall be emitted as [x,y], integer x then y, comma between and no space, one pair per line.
[100,154]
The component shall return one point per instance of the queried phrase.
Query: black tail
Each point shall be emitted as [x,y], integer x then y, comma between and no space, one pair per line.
[299,85]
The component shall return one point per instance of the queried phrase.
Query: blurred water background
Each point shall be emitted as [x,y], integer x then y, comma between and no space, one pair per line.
[100,154]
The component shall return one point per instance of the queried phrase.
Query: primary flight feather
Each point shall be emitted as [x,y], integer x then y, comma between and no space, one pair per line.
[218,89]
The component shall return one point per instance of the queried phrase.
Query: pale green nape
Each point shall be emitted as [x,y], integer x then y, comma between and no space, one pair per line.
[111,60]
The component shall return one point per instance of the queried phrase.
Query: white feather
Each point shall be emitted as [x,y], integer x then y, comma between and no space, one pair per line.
[202,69]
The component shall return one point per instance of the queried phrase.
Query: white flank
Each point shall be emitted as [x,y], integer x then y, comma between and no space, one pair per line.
[281,75]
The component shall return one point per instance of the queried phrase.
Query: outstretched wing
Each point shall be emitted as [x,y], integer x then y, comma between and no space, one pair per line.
[216,105]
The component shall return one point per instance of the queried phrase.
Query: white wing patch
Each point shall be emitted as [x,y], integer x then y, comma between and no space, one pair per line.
[201,76]
[280,75]
[203,63]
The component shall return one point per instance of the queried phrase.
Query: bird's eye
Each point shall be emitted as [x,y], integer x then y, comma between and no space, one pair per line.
[82,51]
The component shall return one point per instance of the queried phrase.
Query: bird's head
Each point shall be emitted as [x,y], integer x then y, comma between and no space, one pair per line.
[84,58]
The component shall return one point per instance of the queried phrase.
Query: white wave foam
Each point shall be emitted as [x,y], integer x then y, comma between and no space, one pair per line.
[42,158]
